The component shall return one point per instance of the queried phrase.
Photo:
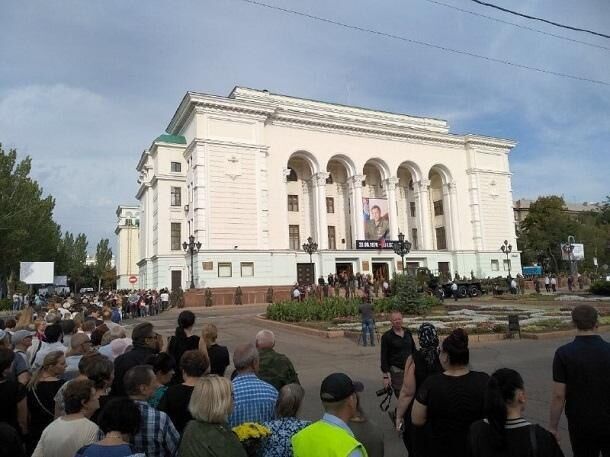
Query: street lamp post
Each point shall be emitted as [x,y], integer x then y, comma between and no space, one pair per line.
[310,247]
[570,250]
[402,248]
[192,247]
[507,249]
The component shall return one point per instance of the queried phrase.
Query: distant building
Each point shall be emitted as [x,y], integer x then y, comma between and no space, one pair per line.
[252,175]
[163,197]
[521,209]
[127,256]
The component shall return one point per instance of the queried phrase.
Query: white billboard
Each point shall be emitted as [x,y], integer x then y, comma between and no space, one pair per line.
[578,251]
[60,281]
[37,272]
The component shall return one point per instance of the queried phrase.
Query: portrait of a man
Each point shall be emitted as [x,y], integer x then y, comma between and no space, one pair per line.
[377,226]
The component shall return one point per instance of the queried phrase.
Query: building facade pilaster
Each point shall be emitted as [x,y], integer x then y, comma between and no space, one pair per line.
[425,221]
[355,186]
[319,184]
[390,188]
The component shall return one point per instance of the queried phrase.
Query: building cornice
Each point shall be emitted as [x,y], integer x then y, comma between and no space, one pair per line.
[308,114]
[194,100]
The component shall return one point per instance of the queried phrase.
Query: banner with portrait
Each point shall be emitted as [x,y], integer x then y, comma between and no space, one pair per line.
[375,218]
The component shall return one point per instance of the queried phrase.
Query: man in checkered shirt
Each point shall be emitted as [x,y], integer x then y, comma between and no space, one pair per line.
[254,399]
[157,436]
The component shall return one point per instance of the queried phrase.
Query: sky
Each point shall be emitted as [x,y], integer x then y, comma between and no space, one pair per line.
[85,87]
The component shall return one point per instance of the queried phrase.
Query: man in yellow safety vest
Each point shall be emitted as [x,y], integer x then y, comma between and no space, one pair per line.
[331,436]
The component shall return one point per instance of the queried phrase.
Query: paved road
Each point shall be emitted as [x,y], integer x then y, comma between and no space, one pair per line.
[315,357]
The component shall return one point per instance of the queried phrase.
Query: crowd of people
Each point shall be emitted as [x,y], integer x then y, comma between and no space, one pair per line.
[77,385]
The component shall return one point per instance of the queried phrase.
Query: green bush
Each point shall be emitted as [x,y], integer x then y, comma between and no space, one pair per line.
[313,310]
[601,287]
[5,304]
[407,299]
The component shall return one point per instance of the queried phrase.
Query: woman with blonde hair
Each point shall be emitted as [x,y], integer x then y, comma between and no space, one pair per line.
[218,355]
[209,435]
[42,389]
[25,319]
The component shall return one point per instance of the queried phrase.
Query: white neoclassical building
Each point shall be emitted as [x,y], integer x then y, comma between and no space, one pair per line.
[254,174]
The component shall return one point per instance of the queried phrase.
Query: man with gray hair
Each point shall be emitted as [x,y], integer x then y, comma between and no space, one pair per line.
[254,399]
[274,368]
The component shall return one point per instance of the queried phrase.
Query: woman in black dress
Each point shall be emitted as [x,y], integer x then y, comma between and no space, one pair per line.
[182,341]
[41,395]
[449,402]
[420,365]
[218,355]
[504,432]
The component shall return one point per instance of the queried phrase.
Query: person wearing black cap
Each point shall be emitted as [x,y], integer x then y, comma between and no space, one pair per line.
[331,433]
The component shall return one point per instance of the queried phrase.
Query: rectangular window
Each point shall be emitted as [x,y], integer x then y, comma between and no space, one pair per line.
[293,203]
[176,234]
[412,208]
[441,241]
[495,265]
[506,264]
[225,270]
[176,167]
[330,205]
[176,198]
[414,240]
[332,237]
[438,208]
[247,269]
[293,237]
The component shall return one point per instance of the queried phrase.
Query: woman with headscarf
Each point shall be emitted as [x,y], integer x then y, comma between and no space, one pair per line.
[421,364]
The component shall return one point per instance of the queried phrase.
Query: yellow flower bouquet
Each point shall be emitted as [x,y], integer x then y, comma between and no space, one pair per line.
[250,435]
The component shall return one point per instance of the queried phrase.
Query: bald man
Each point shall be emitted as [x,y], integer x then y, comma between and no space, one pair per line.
[274,368]
[80,344]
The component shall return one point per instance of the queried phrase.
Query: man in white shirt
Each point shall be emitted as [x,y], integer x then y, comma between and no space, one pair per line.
[164,300]
[454,291]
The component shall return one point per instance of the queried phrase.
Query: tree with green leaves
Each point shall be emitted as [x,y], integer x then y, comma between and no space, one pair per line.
[27,229]
[545,227]
[548,224]
[72,258]
[103,260]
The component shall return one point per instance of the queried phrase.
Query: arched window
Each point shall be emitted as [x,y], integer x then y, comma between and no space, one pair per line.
[293,175]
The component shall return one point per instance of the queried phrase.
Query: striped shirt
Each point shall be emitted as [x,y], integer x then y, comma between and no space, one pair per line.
[254,400]
[157,436]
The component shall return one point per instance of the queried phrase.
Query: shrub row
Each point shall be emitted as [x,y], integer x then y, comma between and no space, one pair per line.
[313,310]
[601,287]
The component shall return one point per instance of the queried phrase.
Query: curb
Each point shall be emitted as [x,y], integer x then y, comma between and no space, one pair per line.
[557,334]
[472,337]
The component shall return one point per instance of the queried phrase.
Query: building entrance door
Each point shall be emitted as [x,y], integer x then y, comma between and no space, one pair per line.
[306,273]
[443,271]
[381,270]
[346,267]
[176,279]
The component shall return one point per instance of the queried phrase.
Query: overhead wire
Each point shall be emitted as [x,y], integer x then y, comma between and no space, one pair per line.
[514,24]
[424,43]
[527,16]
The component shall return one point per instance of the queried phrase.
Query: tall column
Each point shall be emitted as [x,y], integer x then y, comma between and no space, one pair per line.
[455,220]
[319,183]
[475,210]
[355,185]
[424,214]
[449,208]
[390,188]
